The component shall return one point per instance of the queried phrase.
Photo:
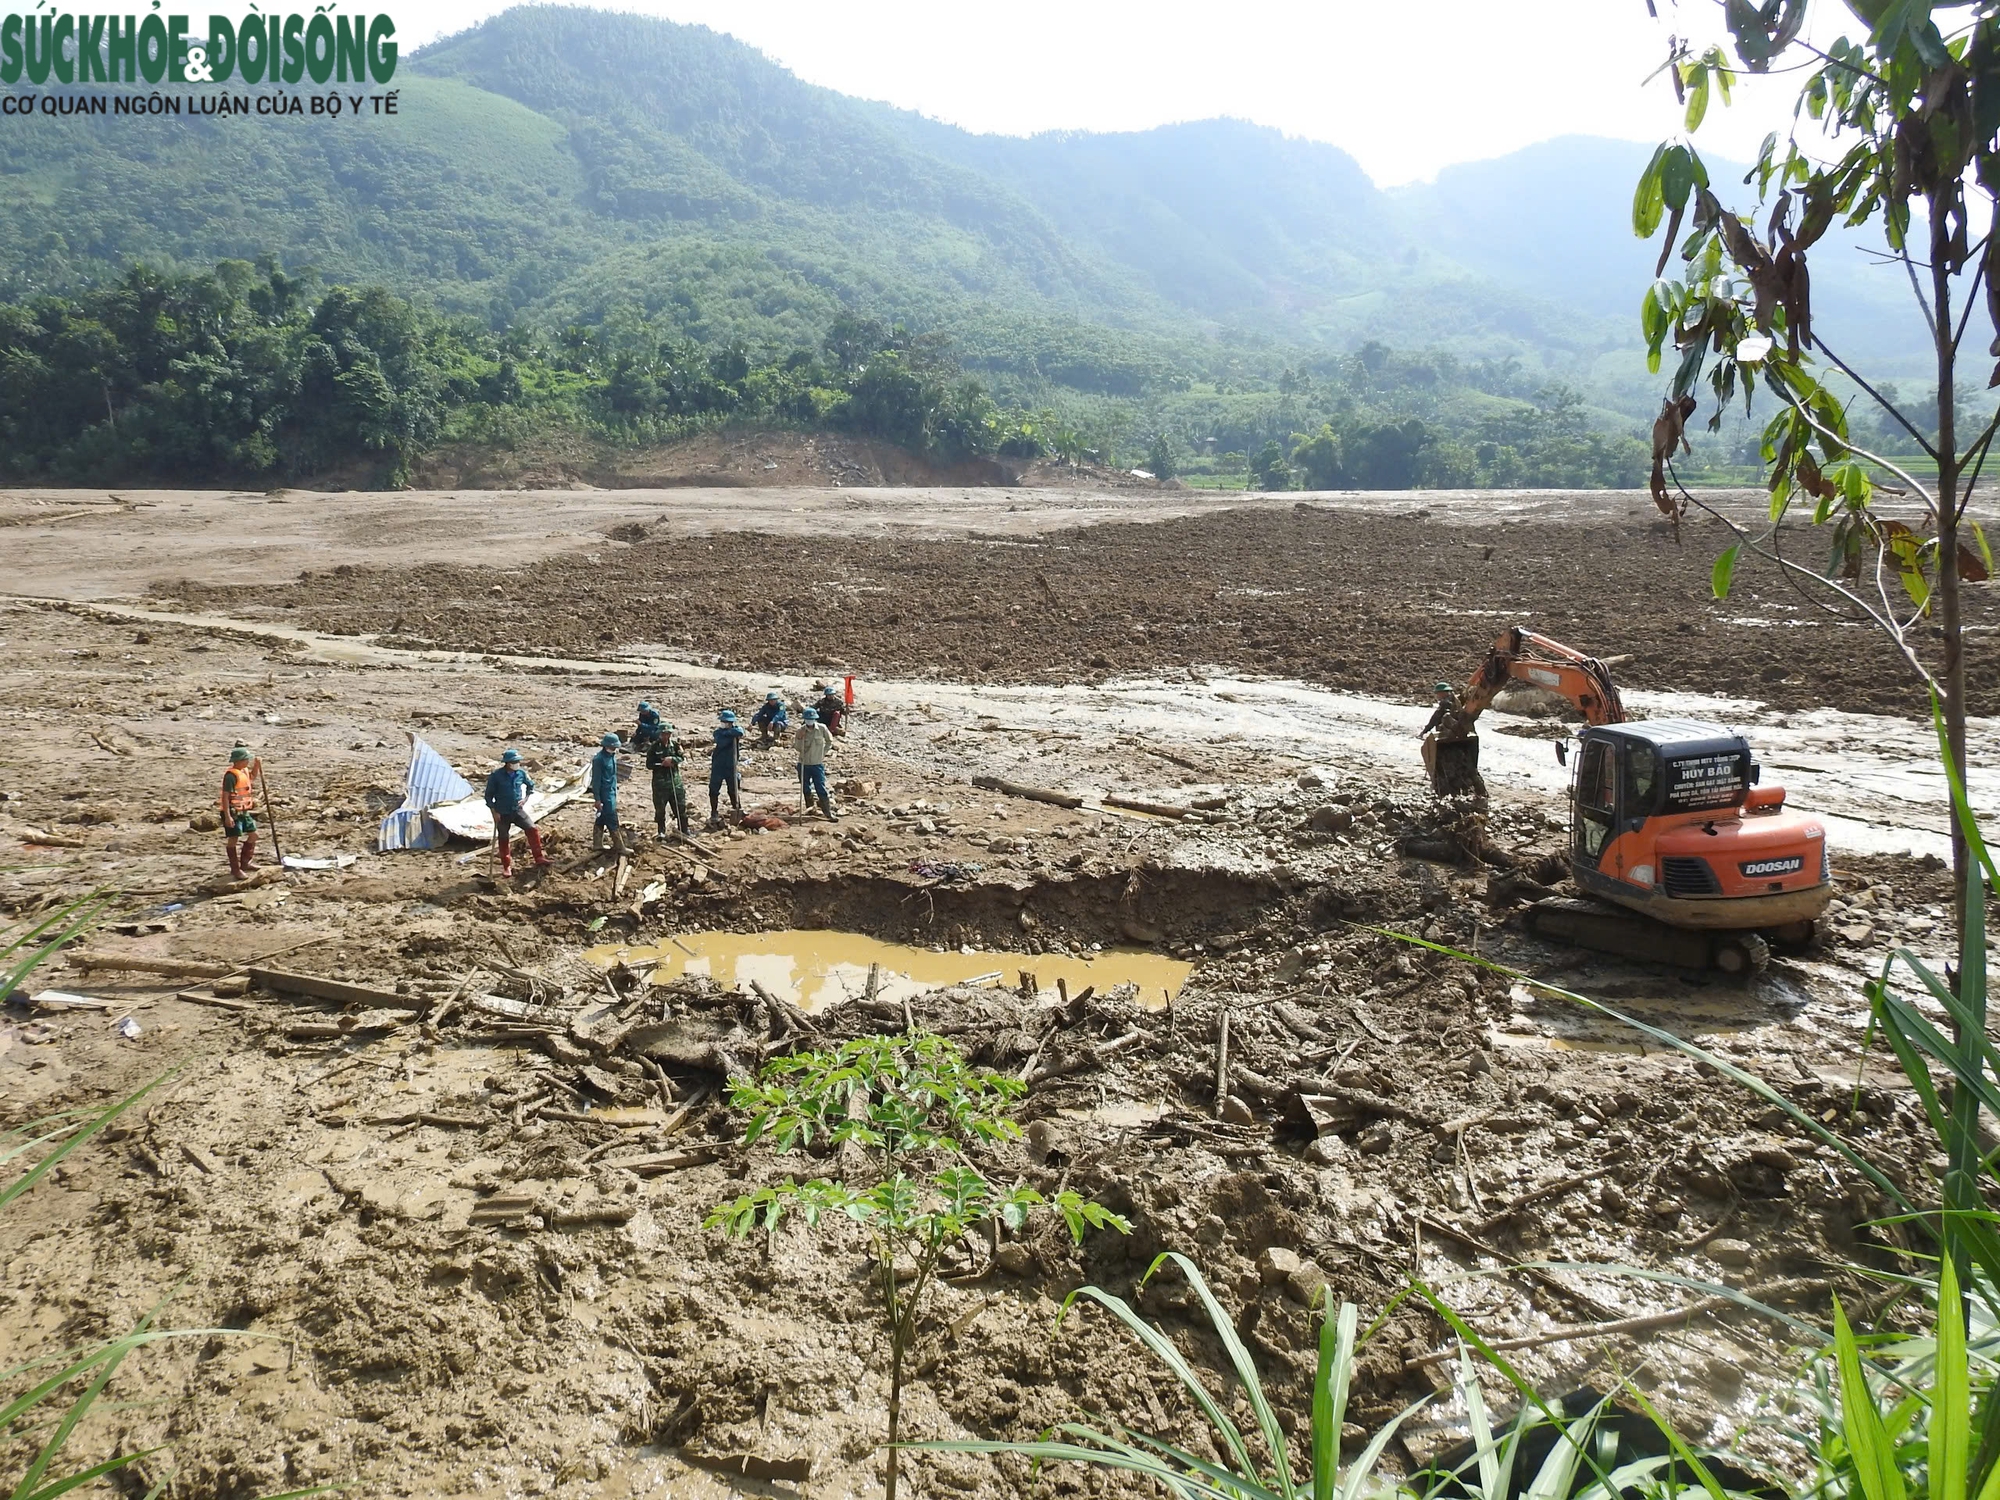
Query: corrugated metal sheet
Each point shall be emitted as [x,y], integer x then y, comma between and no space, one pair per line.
[429,781]
[472,819]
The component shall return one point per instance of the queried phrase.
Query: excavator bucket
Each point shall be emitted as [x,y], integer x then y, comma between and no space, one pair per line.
[1454,766]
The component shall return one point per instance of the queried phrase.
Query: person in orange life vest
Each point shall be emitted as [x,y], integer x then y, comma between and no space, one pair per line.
[239,807]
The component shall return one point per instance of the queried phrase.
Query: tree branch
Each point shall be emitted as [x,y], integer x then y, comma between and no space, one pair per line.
[1887,626]
[1840,62]
[1917,287]
[1930,501]
[1786,571]
[1976,457]
[1880,400]
[1972,289]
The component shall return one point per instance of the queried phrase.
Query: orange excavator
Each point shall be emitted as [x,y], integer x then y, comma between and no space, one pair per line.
[1686,858]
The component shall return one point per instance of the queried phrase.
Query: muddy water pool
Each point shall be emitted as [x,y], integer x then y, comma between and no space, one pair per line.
[816,968]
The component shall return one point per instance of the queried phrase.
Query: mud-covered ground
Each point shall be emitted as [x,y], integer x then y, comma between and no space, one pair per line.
[1358,602]
[307,1177]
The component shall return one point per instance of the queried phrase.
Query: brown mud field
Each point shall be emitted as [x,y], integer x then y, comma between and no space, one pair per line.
[1359,603]
[451,1228]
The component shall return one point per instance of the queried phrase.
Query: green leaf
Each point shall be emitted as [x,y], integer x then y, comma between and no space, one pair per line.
[1861,1422]
[1696,77]
[1676,176]
[1648,202]
[1329,1401]
[1951,1395]
[1724,572]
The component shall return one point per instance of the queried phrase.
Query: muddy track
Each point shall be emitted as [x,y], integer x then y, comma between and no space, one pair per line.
[1362,603]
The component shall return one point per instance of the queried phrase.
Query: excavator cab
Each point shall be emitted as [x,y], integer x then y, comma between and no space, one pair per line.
[1614,790]
[1667,820]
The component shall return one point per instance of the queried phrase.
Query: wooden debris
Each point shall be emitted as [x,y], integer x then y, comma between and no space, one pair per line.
[1376,1104]
[1298,1023]
[518,1010]
[281,982]
[1329,1116]
[1222,1064]
[426,1117]
[224,885]
[1031,793]
[1535,1195]
[1102,1053]
[215,1002]
[665,1161]
[49,840]
[1178,760]
[171,968]
[63,1000]
[1151,809]
[203,1159]
[793,1017]
[1562,1289]
[502,1206]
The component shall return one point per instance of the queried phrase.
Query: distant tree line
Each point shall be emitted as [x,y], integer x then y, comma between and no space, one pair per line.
[248,372]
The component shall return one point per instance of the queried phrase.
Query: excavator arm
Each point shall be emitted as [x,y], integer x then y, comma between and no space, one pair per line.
[1522,656]
[1451,741]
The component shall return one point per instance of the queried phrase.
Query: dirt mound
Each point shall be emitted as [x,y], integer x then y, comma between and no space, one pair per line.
[722,458]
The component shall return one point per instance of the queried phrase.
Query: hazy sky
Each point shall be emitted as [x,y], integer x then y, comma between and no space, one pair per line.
[1406,88]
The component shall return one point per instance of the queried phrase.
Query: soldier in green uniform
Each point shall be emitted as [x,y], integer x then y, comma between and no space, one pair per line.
[663,759]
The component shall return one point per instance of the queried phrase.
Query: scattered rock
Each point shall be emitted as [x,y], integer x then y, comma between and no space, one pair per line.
[1331,820]
[1276,1264]
[1327,1150]
[1015,1260]
[204,822]
[1377,1138]
[1734,1254]
[1236,1112]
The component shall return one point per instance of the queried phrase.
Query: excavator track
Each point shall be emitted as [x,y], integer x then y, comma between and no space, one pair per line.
[1591,924]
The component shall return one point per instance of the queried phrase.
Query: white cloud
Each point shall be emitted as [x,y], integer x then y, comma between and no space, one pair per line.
[1406,89]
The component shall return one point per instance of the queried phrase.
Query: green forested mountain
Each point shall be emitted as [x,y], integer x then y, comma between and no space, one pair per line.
[622,188]
[560,163]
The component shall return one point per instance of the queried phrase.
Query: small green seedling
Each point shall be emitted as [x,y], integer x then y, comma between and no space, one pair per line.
[918,1110]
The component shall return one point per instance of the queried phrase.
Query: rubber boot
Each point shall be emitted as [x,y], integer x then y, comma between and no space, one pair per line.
[535,849]
[249,855]
[505,848]
[235,860]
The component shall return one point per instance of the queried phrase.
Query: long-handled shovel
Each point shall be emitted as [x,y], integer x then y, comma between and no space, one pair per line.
[269,816]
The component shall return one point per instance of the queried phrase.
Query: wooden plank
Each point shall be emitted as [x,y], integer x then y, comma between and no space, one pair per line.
[1151,809]
[218,1002]
[172,968]
[315,988]
[1032,793]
